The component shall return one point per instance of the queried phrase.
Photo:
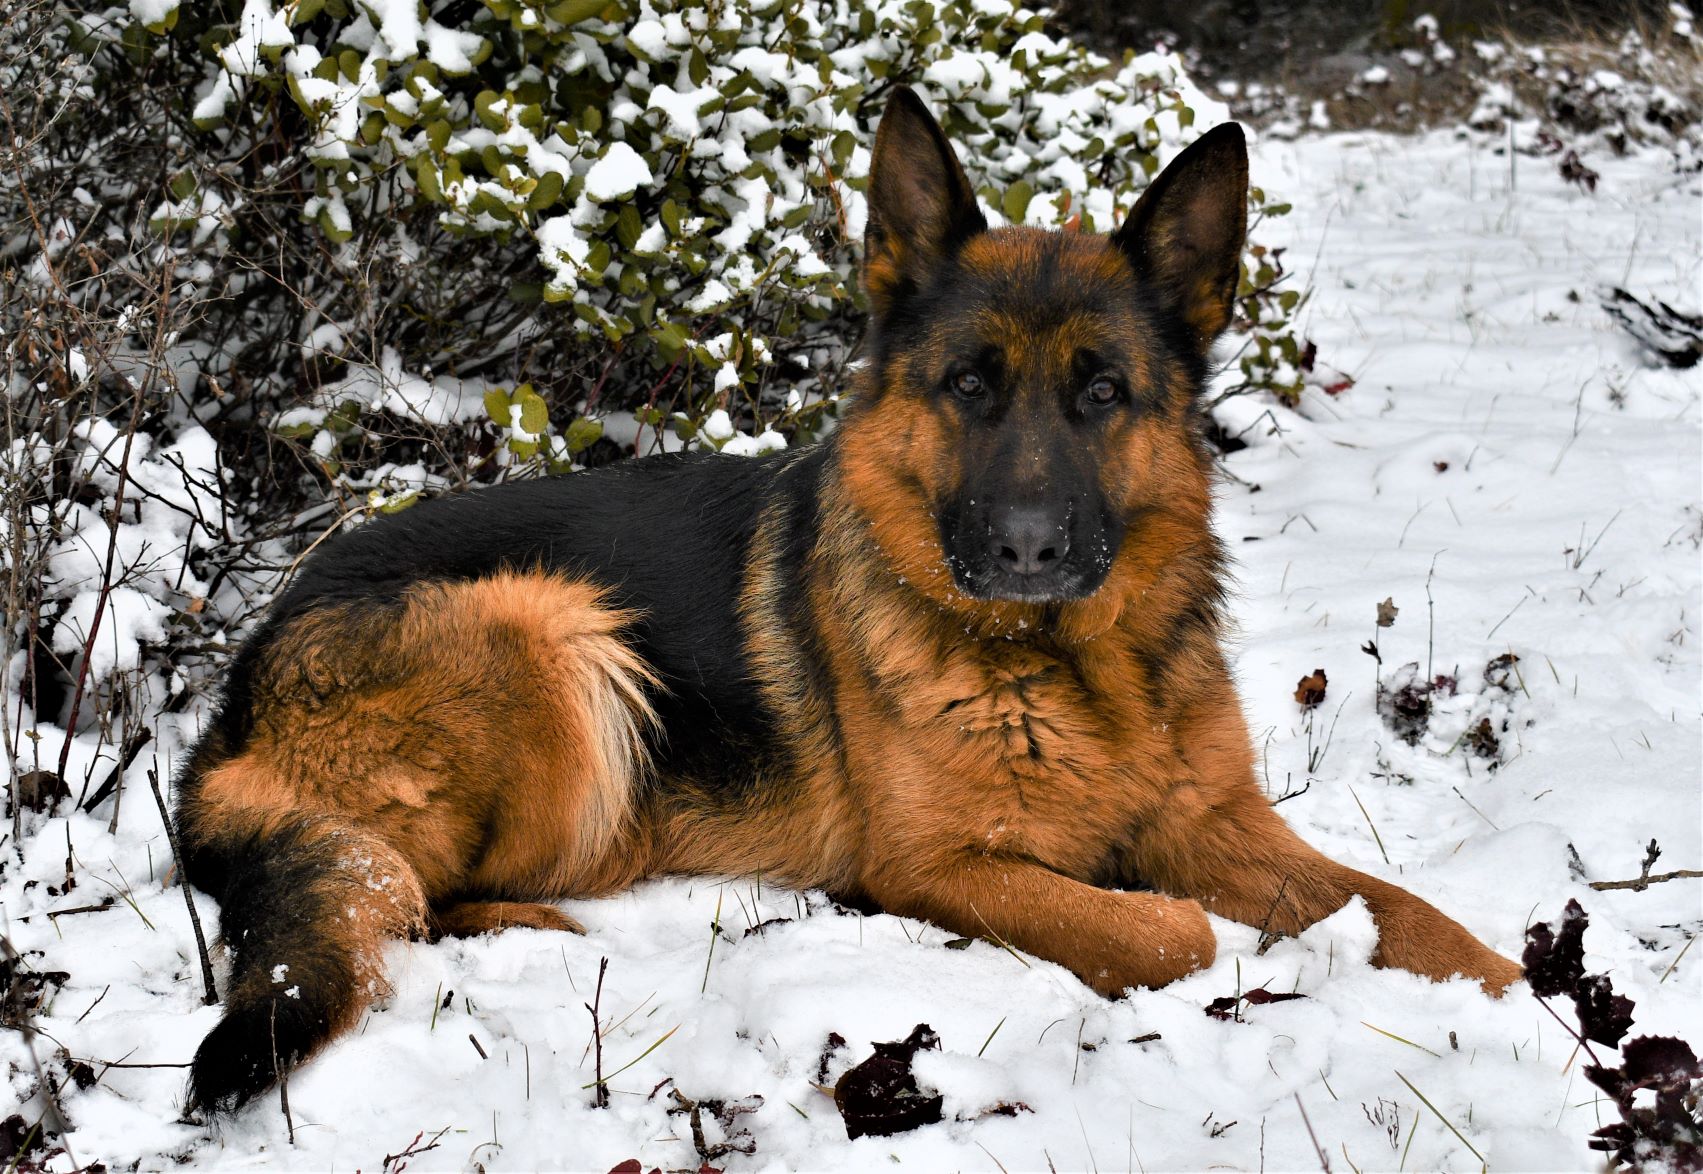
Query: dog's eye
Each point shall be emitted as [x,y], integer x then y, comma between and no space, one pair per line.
[968,385]
[1102,391]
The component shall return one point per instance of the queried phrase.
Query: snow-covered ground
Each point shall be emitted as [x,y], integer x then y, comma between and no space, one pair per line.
[1503,441]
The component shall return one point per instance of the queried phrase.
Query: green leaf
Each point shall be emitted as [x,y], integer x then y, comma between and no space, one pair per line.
[547,191]
[670,339]
[572,12]
[1016,201]
[161,27]
[628,226]
[582,433]
[534,413]
[426,175]
[482,109]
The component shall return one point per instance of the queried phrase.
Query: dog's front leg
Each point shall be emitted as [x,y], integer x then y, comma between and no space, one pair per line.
[1111,940]
[1217,839]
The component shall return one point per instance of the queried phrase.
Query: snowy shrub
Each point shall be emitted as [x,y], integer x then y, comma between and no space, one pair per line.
[1639,89]
[680,184]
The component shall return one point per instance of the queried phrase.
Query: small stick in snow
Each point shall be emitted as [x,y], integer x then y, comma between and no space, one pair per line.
[127,754]
[1430,623]
[282,1077]
[600,1099]
[396,1163]
[1652,853]
[1439,1115]
[107,903]
[108,987]
[715,931]
[212,996]
[1639,884]
[1475,810]
[1324,1162]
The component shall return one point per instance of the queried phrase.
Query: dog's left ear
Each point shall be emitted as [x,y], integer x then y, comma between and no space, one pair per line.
[921,205]
[1185,234]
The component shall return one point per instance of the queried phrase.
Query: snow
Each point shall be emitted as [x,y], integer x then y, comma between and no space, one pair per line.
[388,387]
[714,294]
[153,12]
[680,111]
[1504,447]
[257,28]
[399,26]
[128,618]
[649,39]
[450,49]
[718,426]
[618,174]
[956,75]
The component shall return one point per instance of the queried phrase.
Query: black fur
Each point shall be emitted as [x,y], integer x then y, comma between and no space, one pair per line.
[668,535]
[272,913]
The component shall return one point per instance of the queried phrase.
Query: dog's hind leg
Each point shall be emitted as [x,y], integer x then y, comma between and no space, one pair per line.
[467,919]
[474,742]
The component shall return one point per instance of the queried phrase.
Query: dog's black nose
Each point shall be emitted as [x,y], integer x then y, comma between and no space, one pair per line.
[1029,540]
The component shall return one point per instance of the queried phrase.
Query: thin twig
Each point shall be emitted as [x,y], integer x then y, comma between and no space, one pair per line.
[1639,884]
[1324,1162]
[282,1077]
[212,995]
[600,1099]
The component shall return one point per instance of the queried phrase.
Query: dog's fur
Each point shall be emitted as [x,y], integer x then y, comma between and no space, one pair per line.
[960,661]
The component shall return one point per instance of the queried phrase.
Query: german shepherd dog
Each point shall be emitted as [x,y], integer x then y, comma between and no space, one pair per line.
[959,661]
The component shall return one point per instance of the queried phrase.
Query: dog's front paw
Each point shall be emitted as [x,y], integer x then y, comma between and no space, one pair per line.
[1496,974]
[1158,940]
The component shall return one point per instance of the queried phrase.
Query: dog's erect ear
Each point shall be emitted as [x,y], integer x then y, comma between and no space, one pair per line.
[921,206]
[1185,234]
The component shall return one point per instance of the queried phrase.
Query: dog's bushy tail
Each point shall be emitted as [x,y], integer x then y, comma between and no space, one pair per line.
[308,904]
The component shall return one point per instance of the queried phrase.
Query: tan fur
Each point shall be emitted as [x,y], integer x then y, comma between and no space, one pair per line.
[471,918]
[489,732]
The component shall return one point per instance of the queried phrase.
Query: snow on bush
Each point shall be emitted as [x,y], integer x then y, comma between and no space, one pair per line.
[662,174]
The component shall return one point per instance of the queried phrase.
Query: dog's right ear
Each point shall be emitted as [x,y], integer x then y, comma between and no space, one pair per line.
[921,206]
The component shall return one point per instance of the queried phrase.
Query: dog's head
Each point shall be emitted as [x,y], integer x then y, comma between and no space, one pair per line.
[1027,420]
